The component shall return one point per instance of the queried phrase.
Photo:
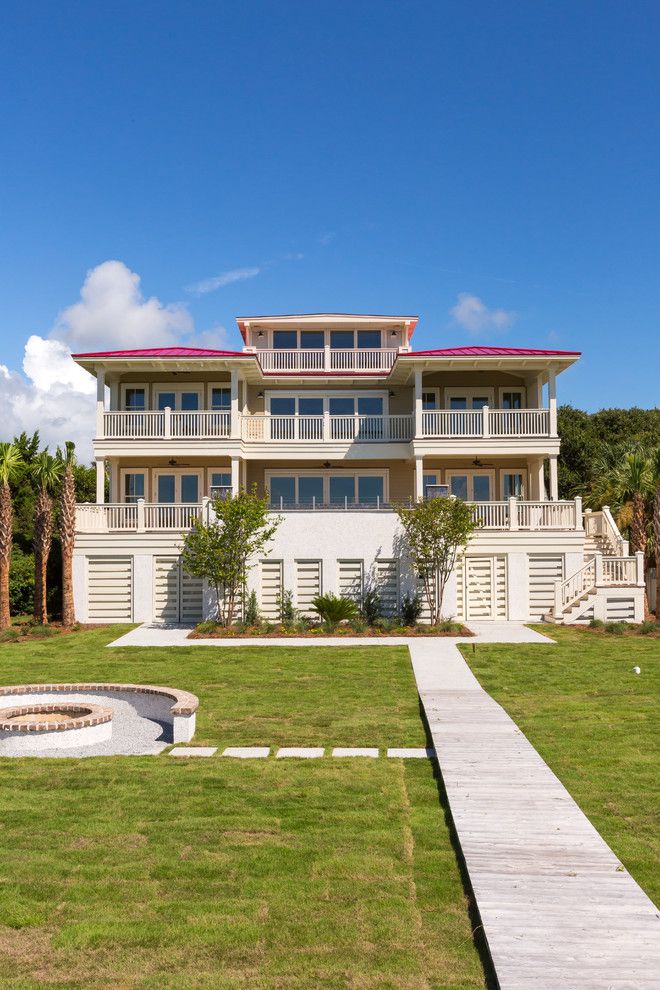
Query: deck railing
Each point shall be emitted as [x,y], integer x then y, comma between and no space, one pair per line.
[167,424]
[359,360]
[486,422]
[357,429]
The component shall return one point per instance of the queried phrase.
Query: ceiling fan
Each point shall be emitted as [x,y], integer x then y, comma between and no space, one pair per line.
[174,463]
[481,464]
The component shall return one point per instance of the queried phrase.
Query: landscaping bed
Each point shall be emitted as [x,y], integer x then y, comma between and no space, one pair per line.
[213,630]
[24,628]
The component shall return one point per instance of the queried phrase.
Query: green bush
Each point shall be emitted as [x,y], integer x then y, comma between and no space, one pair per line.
[616,628]
[21,582]
[287,609]
[251,616]
[649,626]
[209,626]
[9,635]
[411,609]
[596,624]
[358,624]
[332,610]
[371,606]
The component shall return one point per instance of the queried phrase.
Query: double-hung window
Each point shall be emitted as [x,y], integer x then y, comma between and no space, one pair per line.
[134,399]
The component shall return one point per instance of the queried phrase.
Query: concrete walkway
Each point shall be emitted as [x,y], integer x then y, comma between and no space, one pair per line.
[558,909]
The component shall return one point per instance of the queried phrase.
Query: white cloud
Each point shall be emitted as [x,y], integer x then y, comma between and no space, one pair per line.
[475,317]
[224,278]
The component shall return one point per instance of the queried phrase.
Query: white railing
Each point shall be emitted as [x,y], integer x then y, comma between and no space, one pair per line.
[168,423]
[348,429]
[104,518]
[619,570]
[327,359]
[568,592]
[598,572]
[133,424]
[492,515]
[137,517]
[202,423]
[602,525]
[486,422]
[181,516]
[550,515]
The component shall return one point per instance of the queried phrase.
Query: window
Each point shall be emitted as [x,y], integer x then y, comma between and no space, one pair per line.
[469,398]
[166,399]
[283,405]
[184,400]
[166,487]
[178,486]
[189,401]
[221,399]
[513,484]
[312,339]
[369,338]
[341,405]
[471,486]
[342,339]
[189,488]
[370,405]
[220,479]
[458,486]
[430,400]
[133,487]
[134,399]
[282,490]
[512,400]
[430,479]
[370,489]
[285,340]
[310,490]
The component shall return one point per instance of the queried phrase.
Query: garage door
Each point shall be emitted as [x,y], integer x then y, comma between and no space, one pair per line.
[485,587]
[177,595]
[544,570]
[110,589]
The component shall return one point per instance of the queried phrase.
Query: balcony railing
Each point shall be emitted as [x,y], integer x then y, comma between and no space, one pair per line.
[352,429]
[486,422]
[142,517]
[166,424]
[327,359]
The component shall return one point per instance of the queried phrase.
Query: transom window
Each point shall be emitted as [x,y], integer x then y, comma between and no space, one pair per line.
[339,340]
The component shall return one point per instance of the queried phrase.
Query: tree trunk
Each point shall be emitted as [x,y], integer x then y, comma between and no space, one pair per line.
[656,540]
[6,521]
[638,524]
[43,535]
[67,534]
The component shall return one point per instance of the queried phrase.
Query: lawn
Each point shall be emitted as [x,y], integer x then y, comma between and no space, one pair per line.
[279,875]
[595,723]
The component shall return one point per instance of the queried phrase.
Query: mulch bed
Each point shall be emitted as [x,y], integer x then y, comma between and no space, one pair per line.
[312,634]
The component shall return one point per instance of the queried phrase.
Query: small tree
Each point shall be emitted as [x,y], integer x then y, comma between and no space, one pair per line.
[67,529]
[434,532]
[221,551]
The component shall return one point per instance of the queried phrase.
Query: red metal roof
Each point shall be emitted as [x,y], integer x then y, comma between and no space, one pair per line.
[490,352]
[163,352]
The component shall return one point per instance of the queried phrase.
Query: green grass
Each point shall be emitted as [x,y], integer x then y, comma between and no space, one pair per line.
[150,873]
[595,723]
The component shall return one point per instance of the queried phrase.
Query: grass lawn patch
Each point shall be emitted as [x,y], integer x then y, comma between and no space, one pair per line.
[595,723]
[159,874]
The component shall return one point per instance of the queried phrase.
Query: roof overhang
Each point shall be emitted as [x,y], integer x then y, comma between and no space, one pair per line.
[293,321]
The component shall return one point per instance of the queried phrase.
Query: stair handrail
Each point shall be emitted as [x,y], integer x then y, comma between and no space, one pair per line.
[576,585]
[612,532]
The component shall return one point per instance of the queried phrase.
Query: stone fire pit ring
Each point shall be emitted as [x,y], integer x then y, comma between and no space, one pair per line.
[57,725]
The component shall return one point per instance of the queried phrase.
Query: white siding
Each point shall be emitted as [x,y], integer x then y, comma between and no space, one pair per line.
[544,570]
[308,584]
[351,579]
[110,589]
[177,595]
[620,610]
[271,589]
[387,585]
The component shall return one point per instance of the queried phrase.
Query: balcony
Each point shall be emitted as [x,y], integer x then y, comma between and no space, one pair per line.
[485,422]
[325,429]
[166,424]
[359,361]
[148,517]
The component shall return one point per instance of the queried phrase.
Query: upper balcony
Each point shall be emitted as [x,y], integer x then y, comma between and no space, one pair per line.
[357,361]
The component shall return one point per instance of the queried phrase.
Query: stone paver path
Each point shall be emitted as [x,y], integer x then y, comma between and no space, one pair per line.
[193,751]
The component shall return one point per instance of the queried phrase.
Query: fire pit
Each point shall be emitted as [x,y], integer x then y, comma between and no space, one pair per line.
[30,728]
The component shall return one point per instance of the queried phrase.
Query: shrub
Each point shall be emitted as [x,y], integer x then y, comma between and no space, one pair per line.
[446,625]
[287,610]
[251,615]
[616,628]
[358,625]
[333,610]
[9,635]
[649,626]
[209,626]
[411,609]
[21,582]
[596,624]
[371,606]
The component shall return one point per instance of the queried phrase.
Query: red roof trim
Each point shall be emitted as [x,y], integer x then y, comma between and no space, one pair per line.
[165,352]
[490,352]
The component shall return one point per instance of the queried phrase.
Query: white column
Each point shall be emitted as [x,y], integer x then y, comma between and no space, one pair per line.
[235,475]
[579,523]
[100,481]
[418,402]
[554,482]
[485,421]
[419,478]
[235,430]
[541,480]
[100,402]
[552,401]
[113,471]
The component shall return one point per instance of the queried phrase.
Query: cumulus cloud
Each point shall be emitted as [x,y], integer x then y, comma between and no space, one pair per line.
[224,278]
[53,394]
[475,317]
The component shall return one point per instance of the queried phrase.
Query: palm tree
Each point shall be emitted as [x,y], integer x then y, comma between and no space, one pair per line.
[10,462]
[67,530]
[46,472]
[656,529]
[624,480]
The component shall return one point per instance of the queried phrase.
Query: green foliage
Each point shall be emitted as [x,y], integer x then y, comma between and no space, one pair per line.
[371,606]
[21,582]
[332,609]
[411,609]
[616,628]
[649,626]
[251,612]
[596,624]
[287,609]
[223,549]
[435,531]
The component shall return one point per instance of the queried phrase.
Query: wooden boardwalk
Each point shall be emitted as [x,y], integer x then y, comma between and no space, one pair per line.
[559,911]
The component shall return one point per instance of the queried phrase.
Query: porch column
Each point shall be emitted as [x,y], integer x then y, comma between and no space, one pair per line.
[235,475]
[113,466]
[419,478]
[554,482]
[418,402]
[540,479]
[552,401]
[235,429]
[100,402]
[100,481]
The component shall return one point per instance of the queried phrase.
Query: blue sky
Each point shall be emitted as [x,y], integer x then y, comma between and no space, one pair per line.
[366,157]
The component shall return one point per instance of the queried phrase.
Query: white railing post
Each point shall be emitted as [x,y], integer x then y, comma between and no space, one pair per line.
[552,401]
[206,511]
[100,402]
[326,424]
[234,427]
[578,512]
[326,357]
[100,481]
[639,557]
[167,423]
[141,525]
[513,512]
[559,605]
[485,423]
[418,402]
[598,569]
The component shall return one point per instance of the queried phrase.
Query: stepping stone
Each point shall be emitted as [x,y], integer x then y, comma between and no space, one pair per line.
[412,754]
[247,752]
[302,752]
[348,751]
[194,751]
